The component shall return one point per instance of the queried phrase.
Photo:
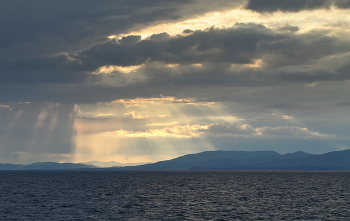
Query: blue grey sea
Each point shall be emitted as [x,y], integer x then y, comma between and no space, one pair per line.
[185,195]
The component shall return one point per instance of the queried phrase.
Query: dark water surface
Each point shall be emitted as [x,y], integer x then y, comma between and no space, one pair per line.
[116,195]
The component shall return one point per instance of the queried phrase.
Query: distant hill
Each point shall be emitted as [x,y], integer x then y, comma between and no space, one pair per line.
[220,160]
[56,166]
[110,164]
[46,166]
[336,159]
[208,158]
[253,160]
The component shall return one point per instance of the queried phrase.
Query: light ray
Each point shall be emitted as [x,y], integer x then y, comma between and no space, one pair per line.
[163,136]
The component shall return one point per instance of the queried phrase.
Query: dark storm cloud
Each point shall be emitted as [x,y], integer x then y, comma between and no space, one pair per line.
[288,106]
[237,45]
[330,68]
[44,70]
[286,5]
[75,21]
[75,93]
[285,57]
[47,27]
[288,28]
[34,32]
[36,27]
[342,3]
[242,44]
[270,6]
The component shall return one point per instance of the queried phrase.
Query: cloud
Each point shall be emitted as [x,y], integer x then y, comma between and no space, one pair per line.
[59,69]
[292,56]
[143,116]
[155,100]
[138,116]
[288,28]
[5,106]
[74,22]
[187,131]
[343,104]
[227,130]
[329,68]
[286,5]
[270,6]
[45,28]
[240,44]
[222,129]
[291,132]
[288,106]
[244,130]
[247,63]
[77,109]
[104,115]
[345,4]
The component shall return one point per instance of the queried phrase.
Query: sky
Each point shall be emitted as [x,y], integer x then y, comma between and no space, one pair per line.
[138,81]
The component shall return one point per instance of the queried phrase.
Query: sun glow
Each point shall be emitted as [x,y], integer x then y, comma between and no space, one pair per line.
[305,20]
[141,126]
[161,100]
[114,68]
[176,131]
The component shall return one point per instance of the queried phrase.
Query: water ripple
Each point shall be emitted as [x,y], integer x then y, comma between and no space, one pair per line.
[187,195]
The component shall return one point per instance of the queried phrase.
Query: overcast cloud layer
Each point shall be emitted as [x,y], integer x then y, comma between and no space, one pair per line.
[270,6]
[239,74]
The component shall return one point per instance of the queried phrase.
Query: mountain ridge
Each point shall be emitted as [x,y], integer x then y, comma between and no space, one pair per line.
[219,160]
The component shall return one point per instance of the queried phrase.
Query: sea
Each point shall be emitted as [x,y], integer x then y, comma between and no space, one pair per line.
[174,195]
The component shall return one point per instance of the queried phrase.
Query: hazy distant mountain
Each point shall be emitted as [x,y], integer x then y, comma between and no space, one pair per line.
[111,164]
[218,160]
[64,166]
[55,166]
[46,166]
[8,166]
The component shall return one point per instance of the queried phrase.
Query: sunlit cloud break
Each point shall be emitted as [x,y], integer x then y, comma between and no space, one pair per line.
[225,129]
[161,100]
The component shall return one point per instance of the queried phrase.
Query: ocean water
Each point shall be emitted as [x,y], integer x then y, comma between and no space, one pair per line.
[186,195]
